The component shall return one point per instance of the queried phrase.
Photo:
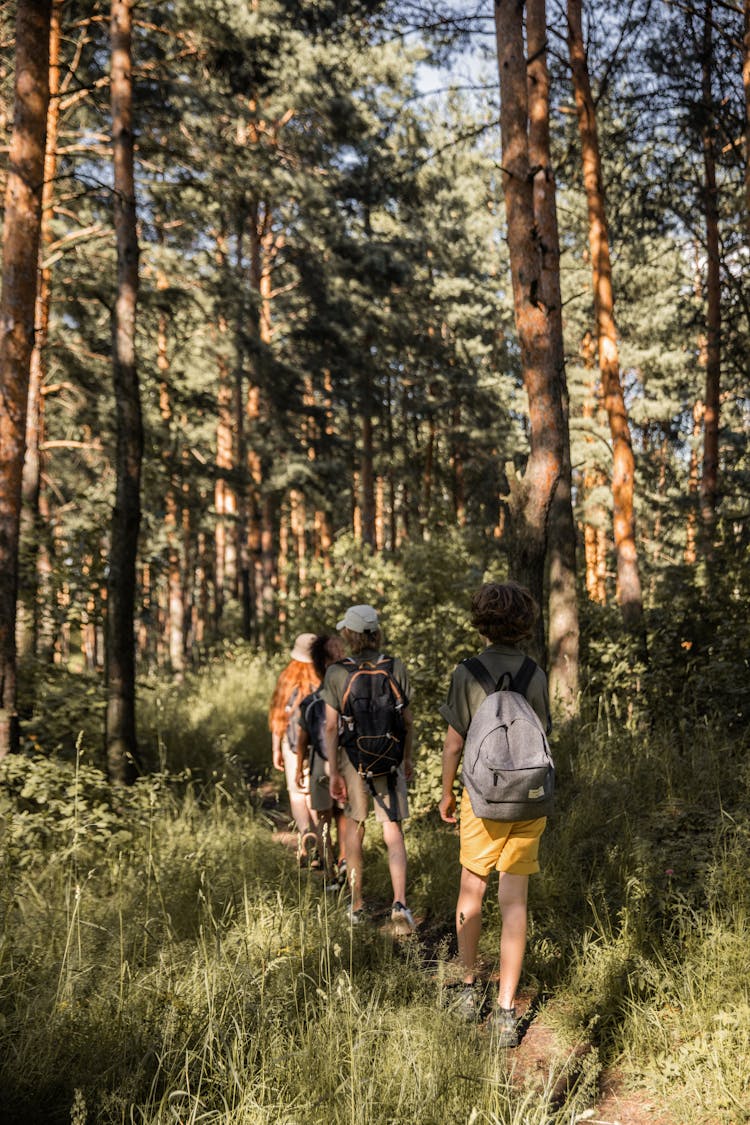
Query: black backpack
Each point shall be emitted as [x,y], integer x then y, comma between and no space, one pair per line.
[313,709]
[372,711]
[507,767]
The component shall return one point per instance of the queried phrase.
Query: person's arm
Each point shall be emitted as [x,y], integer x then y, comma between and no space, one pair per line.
[337,785]
[303,742]
[276,754]
[408,743]
[453,748]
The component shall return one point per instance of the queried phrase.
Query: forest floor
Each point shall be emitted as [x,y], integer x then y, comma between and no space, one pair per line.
[541,1051]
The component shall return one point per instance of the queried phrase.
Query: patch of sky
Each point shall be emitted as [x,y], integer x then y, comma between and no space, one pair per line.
[461,55]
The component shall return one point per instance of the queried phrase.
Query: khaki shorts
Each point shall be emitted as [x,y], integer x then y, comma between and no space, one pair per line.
[358,795]
[506,845]
[320,793]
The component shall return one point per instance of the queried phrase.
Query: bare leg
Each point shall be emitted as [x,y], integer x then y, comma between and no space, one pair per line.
[394,841]
[322,824]
[298,801]
[340,846]
[353,835]
[469,920]
[300,812]
[512,895]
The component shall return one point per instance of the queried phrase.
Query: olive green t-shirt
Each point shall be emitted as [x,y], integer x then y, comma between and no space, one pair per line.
[334,684]
[466,694]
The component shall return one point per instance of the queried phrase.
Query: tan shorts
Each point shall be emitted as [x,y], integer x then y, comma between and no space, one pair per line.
[358,795]
[506,845]
[320,793]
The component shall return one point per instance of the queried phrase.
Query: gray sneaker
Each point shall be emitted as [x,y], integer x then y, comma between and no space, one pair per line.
[403,917]
[503,1026]
[467,1004]
[356,917]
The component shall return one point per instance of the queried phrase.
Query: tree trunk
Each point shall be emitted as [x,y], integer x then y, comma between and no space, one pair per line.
[225,500]
[175,607]
[691,554]
[746,84]
[458,455]
[21,235]
[623,469]
[531,496]
[367,464]
[563,598]
[596,518]
[356,508]
[32,529]
[710,477]
[122,753]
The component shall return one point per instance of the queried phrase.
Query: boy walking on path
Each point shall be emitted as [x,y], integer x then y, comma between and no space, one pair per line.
[386,680]
[504,614]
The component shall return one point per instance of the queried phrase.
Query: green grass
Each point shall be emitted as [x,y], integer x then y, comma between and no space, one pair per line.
[162,959]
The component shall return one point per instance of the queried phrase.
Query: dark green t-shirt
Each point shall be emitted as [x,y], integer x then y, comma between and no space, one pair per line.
[466,694]
[334,684]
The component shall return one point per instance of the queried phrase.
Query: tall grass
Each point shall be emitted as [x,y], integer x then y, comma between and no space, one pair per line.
[163,959]
[196,974]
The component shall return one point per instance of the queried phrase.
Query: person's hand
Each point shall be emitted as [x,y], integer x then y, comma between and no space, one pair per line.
[337,787]
[299,778]
[408,769]
[447,808]
[277,755]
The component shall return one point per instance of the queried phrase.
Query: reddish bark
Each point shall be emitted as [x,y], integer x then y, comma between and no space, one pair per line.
[623,468]
[23,203]
[122,753]
[175,604]
[563,633]
[530,497]
[32,531]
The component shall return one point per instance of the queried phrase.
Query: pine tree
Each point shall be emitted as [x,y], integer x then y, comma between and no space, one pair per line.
[21,237]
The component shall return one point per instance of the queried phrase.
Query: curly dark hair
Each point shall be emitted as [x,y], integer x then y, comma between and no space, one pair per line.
[504,612]
[323,651]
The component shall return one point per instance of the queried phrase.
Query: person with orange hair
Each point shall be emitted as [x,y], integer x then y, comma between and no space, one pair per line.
[297,680]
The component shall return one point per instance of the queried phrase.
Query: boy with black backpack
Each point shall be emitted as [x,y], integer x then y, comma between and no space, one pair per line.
[498,719]
[367,697]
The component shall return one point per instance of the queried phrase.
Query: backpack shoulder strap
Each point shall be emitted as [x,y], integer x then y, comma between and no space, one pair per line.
[476,668]
[313,698]
[524,676]
[387,664]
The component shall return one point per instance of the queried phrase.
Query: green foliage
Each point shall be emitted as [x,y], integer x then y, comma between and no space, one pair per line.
[215,721]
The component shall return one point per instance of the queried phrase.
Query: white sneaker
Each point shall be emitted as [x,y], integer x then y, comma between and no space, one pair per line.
[403,916]
[355,917]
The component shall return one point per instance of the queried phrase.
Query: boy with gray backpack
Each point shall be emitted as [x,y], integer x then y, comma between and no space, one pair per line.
[498,720]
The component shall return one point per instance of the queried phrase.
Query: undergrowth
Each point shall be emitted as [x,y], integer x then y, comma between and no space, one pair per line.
[163,960]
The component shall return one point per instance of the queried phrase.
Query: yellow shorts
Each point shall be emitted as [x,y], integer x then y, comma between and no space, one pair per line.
[508,845]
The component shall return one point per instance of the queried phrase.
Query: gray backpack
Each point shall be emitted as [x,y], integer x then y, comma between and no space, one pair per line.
[507,767]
